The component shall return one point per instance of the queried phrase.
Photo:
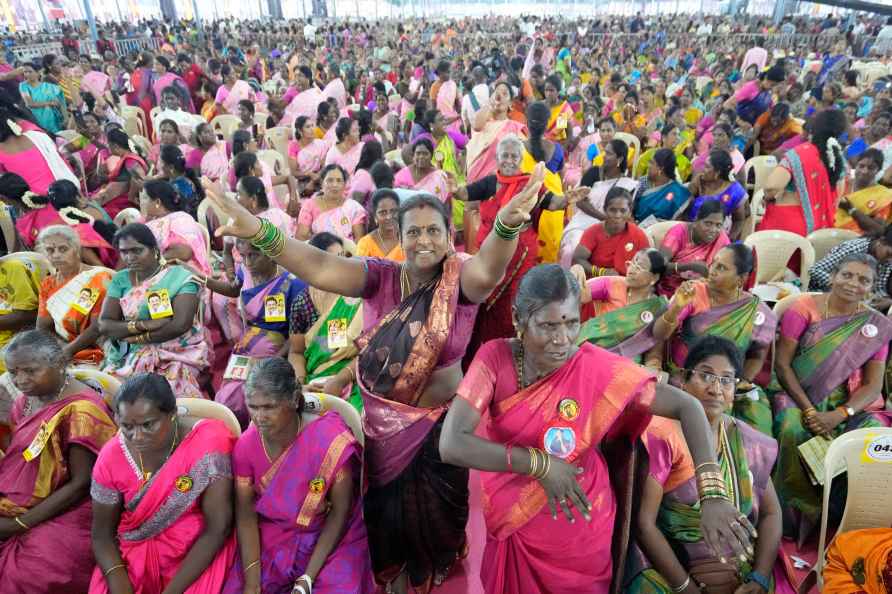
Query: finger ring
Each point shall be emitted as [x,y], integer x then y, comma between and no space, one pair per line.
[735,524]
[562,501]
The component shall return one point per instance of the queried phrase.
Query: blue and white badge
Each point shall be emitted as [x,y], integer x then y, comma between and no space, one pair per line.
[869,330]
[560,441]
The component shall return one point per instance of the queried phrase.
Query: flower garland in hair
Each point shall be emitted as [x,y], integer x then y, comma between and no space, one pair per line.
[131,146]
[75,216]
[28,200]
[14,127]
[832,148]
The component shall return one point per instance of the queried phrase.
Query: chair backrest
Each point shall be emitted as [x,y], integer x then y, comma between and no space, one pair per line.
[199,408]
[656,232]
[68,135]
[633,143]
[274,160]
[134,120]
[866,455]
[206,207]
[127,216]
[8,229]
[142,142]
[781,306]
[33,260]
[317,403]
[824,240]
[277,139]
[761,168]
[774,249]
[106,384]
[224,125]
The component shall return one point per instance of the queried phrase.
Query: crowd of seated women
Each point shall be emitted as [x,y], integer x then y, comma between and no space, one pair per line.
[555,240]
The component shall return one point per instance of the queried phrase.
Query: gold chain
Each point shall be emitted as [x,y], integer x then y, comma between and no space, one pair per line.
[176,432]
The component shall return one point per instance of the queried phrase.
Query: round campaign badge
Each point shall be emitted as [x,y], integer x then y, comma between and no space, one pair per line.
[647,316]
[559,441]
[760,318]
[869,330]
[568,409]
[184,484]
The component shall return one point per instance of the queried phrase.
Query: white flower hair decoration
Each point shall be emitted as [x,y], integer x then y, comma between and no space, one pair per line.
[14,127]
[832,148]
[75,216]
[28,200]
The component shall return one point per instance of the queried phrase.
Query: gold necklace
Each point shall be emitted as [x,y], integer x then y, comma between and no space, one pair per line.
[405,285]
[147,475]
[858,309]
[518,364]
[29,404]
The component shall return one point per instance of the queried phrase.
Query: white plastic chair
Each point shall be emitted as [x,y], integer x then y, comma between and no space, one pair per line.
[134,120]
[199,408]
[633,143]
[863,453]
[275,161]
[224,125]
[106,384]
[774,249]
[127,216]
[277,139]
[317,403]
[201,214]
[824,240]
[761,168]
[656,232]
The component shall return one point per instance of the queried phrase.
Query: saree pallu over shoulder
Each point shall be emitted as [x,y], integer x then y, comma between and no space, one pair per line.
[832,352]
[38,560]
[68,322]
[627,331]
[34,464]
[150,546]
[604,388]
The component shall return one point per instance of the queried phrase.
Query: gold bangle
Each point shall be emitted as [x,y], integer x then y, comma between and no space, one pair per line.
[18,520]
[671,322]
[250,565]
[131,327]
[534,462]
[702,464]
[546,467]
[112,568]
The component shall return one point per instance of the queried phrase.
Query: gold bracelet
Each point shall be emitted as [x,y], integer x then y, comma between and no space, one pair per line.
[534,462]
[250,565]
[131,327]
[702,464]
[18,520]
[547,466]
[112,568]
[672,322]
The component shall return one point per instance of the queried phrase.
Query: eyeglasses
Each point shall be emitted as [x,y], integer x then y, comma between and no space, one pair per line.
[706,377]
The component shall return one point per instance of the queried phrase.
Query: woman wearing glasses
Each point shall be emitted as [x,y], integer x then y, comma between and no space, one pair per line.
[830,359]
[673,556]
[720,306]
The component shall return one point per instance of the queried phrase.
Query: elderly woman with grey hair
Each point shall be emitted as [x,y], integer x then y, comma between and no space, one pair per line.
[71,299]
[298,497]
[492,192]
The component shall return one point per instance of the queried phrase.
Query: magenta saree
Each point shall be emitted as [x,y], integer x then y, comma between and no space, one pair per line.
[526,550]
[39,561]
[291,516]
[161,518]
[417,506]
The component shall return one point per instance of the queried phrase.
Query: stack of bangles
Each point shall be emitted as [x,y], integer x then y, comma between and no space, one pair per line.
[710,484]
[135,327]
[809,412]
[598,271]
[142,338]
[269,240]
[540,463]
[299,589]
[504,231]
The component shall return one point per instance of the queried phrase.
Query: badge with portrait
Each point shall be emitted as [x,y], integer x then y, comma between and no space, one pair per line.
[86,299]
[158,302]
[337,334]
[274,308]
[238,367]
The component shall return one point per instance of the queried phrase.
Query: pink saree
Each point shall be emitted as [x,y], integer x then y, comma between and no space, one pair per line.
[446,97]
[172,79]
[483,144]
[435,183]
[213,163]
[348,160]
[683,249]
[337,90]
[181,228]
[55,555]
[229,98]
[32,222]
[526,550]
[96,83]
[310,158]
[161,518]
[304,104]
[291,516]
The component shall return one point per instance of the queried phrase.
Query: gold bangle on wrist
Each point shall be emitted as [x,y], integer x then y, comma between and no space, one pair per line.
[112,568]
[18,520]
[534,461]
[131,327]
[250,565]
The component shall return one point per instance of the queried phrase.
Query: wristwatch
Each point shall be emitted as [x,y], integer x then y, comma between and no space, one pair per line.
[850,412]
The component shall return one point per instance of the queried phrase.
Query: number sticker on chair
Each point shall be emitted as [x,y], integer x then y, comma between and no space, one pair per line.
[878,449]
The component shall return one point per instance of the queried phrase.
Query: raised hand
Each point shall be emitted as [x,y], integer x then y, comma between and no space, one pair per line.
[585,294]
[517,211]
[241,223]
